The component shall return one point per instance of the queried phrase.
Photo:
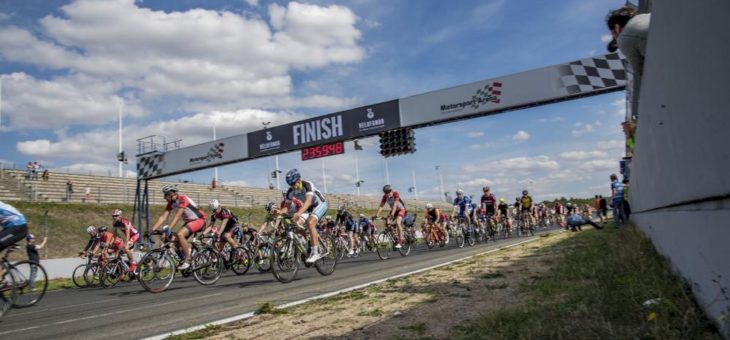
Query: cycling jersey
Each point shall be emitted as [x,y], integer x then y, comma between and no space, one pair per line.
[464,205]
[489,201]
[346,219]
[291,205]
[433,215]
[526,202]
[107,239]
[93,240]
[558,208]
[225,214]
[503,207]
[394,199]
[191,211]
[305,190]
[123,224]
[10,217]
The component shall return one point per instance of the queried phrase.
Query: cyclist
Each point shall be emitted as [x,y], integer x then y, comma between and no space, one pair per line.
[131,235]
[433,219]
[558,207]
[526,206]
[366,226]
[463,204]
[112,243]
[313,208]
[353,229]
[397,210]
[503,209]
[271,217]
[13,228]
[489,203]
[192,216]
[229,223]
[93,240]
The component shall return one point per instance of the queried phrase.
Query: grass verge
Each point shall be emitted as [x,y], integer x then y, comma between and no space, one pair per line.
[598,290]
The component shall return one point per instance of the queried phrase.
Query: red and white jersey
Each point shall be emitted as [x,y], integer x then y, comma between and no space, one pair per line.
[394,199]
[191,211]
[292,205]
[123,224]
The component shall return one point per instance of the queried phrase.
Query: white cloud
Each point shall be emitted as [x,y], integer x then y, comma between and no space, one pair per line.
[481,146]
[203,57]
[613,144]
[252,2]
[510,165]
[582,129]
[582,155]
[619,107]
[599,164]
[521,136]
[605,38]
[475,134]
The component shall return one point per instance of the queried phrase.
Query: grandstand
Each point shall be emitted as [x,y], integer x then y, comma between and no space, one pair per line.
[14,186]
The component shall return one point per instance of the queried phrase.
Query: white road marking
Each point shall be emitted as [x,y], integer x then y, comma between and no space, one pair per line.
[326,295]
[64,307]
[19,330]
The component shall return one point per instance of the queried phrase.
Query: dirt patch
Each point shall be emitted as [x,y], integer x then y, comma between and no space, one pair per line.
[429,304]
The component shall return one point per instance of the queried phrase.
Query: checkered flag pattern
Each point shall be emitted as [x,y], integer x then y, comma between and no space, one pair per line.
[150,166]
[490,93]
[590,74]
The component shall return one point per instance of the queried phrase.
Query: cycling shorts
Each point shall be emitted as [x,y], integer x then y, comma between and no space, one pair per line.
[194,226]
[134,238]
[318,212]
[353,227]
[10,236]
[231,228]
[528,210]
[400,212]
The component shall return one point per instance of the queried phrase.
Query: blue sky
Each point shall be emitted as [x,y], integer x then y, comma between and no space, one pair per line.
[179,67]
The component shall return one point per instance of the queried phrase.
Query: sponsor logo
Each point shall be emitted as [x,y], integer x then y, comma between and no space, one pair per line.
[270,143]
[490,93]
[317,130]
[371,123]
[215,152]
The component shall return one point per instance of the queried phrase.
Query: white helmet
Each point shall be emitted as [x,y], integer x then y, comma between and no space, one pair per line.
[362,215]
[429,206]
[169,188]
[91,229]
[459,192]
[214,204]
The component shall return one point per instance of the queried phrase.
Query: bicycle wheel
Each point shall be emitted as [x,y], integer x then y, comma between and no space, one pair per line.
[326,265]
[383,245]
[207,266]
[470,236]
[286,259]
[460,237]
[8,290]
[262,258]
[156,271]
[91,275]
[240,260]
[110,274]
[32,282]
[341,246]
[405,248]
[78,276]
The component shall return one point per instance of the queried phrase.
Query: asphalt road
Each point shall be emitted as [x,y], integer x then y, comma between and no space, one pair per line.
[128,311]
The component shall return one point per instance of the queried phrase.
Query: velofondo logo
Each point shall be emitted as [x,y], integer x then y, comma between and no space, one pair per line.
[269,145]
[215,151]
[490,93]
[371,124]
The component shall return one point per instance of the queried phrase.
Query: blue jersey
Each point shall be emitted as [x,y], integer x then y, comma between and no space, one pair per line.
[10,217]
[364,223]
[576,220]
[464,204]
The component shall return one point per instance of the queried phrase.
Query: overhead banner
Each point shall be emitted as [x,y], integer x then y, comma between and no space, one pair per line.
[557,82]
[200,156]
[344,125]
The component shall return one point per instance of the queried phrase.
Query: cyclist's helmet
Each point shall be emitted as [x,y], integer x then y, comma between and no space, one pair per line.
[91,230]
[501,199]
[485,189]
[269,206]
[459,192]
[293,176]
[213,205]
[362,215]
[168,189]
[387,189]
[116,212]
[29,237]
[101,229]
[524,192]
[342,208]
[429,206]
[517,198]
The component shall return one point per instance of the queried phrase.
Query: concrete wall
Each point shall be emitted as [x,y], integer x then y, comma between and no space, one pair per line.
[680,180]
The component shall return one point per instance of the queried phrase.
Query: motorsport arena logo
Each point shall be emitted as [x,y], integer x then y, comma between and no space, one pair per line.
[371,123]
[215,151]
[490,93]
[270,143]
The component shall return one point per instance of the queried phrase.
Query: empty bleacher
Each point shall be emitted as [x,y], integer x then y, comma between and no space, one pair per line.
[14,185]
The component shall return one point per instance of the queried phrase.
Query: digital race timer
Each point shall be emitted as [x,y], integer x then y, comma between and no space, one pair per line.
[323,150]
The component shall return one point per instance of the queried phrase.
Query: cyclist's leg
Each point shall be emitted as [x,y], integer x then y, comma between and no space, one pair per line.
[399,226]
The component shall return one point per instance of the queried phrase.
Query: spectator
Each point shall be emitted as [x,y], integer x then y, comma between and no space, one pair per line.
[627,207]
[629,30]
[629,128]
[617,202]
[45,175]
[597,206]
[69,190]
[603,207]
[32,250]
[577,221]
[29,170]
[34,171]
[87,194]
[213,183]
